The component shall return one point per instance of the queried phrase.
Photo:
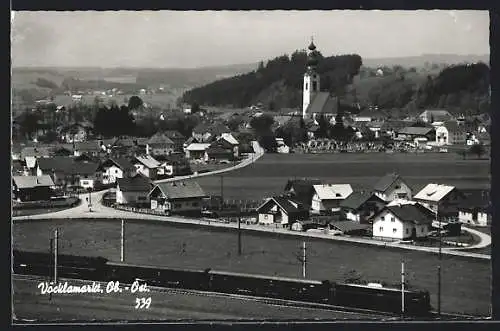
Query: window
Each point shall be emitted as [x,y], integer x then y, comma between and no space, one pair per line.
[195,204]
[265,217]
[315,86]
[394,230]
[116,171]
[381,229]
[393,219]
[382,218]
[407,231]
[398,187]
[307,85]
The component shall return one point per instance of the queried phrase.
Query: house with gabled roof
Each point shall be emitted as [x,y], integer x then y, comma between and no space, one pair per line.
[476,208]
[361,206]
[177,197]
[402,221]
[230,140]
[160,144]
[133,191]
[282,211]
[451,133]
[177,138]
[438,197]
[32,188]
[114,168]
[91,147]
[77,131]
[207,132]
[391,187]
[301,190]
[327,197]
[175,164]
[70,171]
[435,115]
[197,151]
[147,165]
[410,133]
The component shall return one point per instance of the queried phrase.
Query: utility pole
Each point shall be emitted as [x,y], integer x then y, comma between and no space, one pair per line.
[239,235]
[122,242]
[56,237]
[304,259]
[439,257]
[402,288]
[222,191]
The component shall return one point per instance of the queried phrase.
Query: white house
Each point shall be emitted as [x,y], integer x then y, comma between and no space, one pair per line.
[197,151]
[327,197]
[183,196]
[116,168]
[282,211]
[133,191]
[147,165]
[404,221]
[391,187]
[160,144]
[474,216]
[450,133]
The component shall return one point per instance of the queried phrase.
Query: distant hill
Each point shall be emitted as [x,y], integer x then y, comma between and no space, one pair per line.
[421,60]
[276,84]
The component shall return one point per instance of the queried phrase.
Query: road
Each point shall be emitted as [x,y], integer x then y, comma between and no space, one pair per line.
[166,305]
[100,211]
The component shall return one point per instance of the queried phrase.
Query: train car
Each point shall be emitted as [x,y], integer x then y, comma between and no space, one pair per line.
[68,266]
[157,276]
[380,298]
[268,286]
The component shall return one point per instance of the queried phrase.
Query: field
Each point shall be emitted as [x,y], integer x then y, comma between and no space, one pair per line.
[268,176]
[465,282]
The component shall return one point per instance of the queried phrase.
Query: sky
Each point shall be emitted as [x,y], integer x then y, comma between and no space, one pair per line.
[176,39]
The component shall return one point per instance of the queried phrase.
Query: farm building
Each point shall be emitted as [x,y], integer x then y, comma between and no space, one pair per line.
[409,133]
[32,188]
[174,164]
[177,138]
[350,227]
[327,197]
[77,132]
[391,187]
[184,196]
[133,190]
[361,206]
[434,196]
[220,150]
[281,210]
[403,221]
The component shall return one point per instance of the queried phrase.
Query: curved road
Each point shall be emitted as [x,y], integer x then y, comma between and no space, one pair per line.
[101,211]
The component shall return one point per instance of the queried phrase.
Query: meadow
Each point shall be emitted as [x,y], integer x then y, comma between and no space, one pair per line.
[268,176]
[465,282]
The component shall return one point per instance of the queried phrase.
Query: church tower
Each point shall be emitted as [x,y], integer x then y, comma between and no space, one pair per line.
[311,79]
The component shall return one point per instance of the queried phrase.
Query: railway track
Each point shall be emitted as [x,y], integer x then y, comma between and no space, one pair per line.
[357,312]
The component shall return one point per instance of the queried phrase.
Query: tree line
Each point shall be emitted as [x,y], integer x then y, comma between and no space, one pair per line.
[283,74]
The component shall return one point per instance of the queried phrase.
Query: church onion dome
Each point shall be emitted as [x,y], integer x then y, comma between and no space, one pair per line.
[312,47]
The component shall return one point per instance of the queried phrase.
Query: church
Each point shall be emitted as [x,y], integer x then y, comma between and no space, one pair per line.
[315,102]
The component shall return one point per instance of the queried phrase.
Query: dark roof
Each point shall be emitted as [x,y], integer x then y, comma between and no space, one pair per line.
[303,189]
[385,182]
[454,126]
[91,145]
[474,199]
[36,151]
[181,189]
[415,213]
[160,138]
[357,199]
[323,103]
[349,226]
[283,203]
[134,184]
[67,165]
[191,140]
[32,181]
[415,130]
[121,163]
[174,134]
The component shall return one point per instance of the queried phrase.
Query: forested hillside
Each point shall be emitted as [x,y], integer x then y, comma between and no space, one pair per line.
[462,88]
[278,83]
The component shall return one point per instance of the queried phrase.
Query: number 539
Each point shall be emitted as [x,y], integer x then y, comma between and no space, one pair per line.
[141,303]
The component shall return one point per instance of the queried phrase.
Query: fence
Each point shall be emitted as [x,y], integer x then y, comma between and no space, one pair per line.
[67,202]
